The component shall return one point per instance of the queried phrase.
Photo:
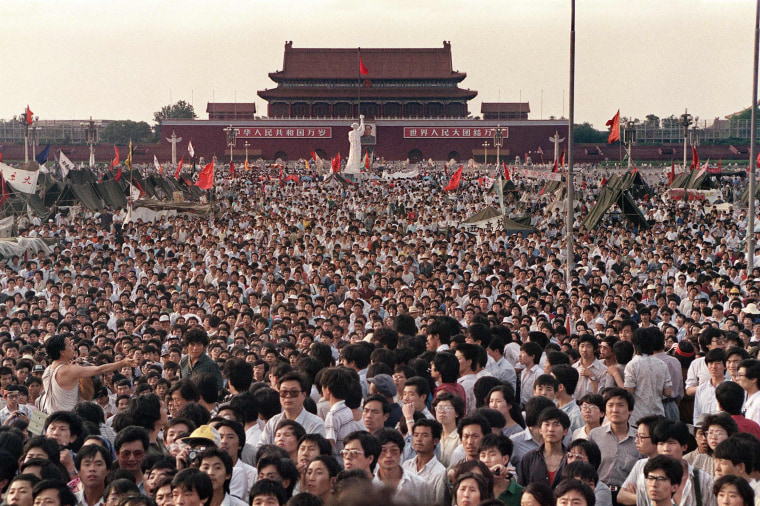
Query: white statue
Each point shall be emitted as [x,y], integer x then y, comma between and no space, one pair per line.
[354,160]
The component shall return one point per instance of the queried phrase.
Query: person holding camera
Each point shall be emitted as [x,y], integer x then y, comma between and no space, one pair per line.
[13,410]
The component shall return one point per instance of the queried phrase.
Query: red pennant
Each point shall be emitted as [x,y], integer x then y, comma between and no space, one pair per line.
[362,69]
[507,177]
[118,174]
[115,160]
[29,115]
[232,168]
[179,168]
[336,163]
[455,180]
[694,159]
[313,156]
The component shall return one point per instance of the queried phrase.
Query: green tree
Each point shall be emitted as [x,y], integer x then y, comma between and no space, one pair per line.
[121,132]
[180,110]
[587,134]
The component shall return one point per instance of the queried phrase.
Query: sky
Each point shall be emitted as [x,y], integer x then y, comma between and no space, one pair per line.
[113,59]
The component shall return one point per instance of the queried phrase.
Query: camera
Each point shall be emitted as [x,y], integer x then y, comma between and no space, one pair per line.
[192,455]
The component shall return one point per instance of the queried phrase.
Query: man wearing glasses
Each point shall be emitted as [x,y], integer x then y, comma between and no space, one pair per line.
[294,387]
[663,476]
[131,444]
[361,450]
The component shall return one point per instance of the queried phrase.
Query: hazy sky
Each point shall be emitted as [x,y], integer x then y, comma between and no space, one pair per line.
[112,59]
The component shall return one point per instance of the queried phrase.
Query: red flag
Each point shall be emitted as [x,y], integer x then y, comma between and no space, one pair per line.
[556,168]
[118,174]
[366,160]
[232,168]
[672,175]
[293,178]
[139,187]
[336,163]
[247,168]
[562,161]
[313,156]
[614,125]
[455,179]
[4,194]
[694,158]
[29,115]
[635,169]
[179,168]
[604,181]
[758,161]
[206,177]
[115,160]
[542,190]
[507,177]
[362,69]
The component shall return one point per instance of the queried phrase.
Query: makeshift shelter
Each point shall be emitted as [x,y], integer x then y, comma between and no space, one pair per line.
[335,179]
[610,196]
[152,210]
[491,218]
[20,245]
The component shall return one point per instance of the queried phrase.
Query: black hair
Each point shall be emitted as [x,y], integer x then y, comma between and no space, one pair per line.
[130,434]
[235,426]
[65,495]
[221,455]
[550,414]
[735,450]
[270,488]
[325,448]
[580,471]
[499,441]
[473,420]
[90,451]
[670,429]
[672,468]
[744,488]
[609,393]
[369,444]
[194,479]
[591,449]
[145,410]
[533,409]
[386,435]
[196,335]
[246,403]
[447,365]
[572,484]
[567,376]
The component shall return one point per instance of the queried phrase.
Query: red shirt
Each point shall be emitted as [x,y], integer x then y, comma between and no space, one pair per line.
[747,425]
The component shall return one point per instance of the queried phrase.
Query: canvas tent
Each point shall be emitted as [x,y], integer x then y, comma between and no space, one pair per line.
[609,197]
[491,218]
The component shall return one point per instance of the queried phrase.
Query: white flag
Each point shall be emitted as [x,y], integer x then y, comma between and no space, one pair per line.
[66,165]
[22,180]
[190,149]
[158,165]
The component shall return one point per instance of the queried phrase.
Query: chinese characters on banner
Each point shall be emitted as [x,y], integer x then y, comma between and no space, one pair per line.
[452,132]
[284,132]
[20,180]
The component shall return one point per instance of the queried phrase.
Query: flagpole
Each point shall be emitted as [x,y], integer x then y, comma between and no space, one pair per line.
[569,219]
[359,83]
[752,162]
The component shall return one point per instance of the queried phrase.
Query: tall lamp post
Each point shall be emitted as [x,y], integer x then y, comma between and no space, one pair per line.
[26,122]
[498,141]
[485,153]
[630,137]
[231,139]
[91,133]
[246,151]
[686,120]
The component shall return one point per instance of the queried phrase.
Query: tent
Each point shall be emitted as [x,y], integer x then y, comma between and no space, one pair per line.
[491,218]
[614,195]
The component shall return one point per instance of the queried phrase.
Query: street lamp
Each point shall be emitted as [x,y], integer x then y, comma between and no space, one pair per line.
[246,151]
[498,141]
[91,133]
[485,153]
[231,139]
[686,120]
[26,122]
[630,134]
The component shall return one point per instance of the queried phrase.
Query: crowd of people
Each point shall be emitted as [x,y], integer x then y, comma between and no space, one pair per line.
[316,343]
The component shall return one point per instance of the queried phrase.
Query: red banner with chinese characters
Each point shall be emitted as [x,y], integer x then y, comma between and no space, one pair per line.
[284,132]
[452,132]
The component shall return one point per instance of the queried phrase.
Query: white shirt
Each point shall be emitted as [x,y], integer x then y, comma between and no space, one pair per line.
[705,402]
[243,478]
[434,474]
[504,371]
[752,407]
[410,489]
[311,423]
